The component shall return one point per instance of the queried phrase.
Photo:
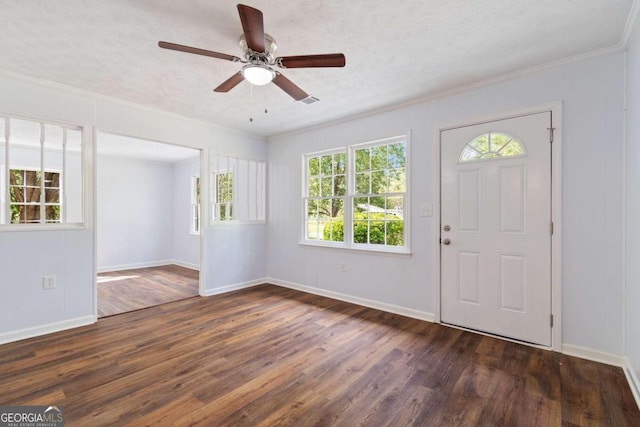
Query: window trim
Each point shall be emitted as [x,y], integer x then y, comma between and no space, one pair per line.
[231,167]
[40,203]
[85,159]
[348,243]
[195,223]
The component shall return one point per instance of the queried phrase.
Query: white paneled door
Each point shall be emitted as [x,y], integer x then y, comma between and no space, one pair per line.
[496,227]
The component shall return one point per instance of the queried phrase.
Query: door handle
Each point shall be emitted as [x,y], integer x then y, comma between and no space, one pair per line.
[446,242]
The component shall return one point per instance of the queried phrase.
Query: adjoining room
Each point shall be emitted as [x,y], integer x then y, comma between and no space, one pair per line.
[148,223]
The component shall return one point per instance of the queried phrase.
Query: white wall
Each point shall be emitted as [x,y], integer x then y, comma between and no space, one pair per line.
[25,256]
[135,212]
[633,205]
[592,291]
[186,246]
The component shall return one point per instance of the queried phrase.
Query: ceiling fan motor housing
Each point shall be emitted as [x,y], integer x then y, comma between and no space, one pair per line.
[266,57]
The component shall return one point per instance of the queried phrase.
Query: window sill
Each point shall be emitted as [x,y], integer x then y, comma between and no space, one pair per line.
[402,252]
[41,227]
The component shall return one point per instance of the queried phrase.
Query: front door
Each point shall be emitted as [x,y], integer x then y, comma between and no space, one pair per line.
[496,227]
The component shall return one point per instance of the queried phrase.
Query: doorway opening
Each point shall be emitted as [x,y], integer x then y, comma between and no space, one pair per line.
[148,223]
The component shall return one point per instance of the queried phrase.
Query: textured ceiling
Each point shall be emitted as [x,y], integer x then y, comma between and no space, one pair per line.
[395,50]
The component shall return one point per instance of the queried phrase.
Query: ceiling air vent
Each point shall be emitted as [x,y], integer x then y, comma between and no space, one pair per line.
[309,99]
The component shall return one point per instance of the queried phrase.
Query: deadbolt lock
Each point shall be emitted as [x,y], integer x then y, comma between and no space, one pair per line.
[447,228]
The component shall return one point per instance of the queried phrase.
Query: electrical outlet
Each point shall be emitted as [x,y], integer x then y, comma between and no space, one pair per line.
[49,282]
[343,267]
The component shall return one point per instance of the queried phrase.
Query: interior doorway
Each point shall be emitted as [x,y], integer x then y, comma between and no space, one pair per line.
[148,241]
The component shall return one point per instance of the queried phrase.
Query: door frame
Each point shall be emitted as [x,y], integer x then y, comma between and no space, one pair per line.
[555,109]
[204,204]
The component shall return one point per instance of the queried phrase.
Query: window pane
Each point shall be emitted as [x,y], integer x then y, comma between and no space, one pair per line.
[481,143]
[313,167]
[326,186]
[360,231]
[491,146]
[395,233]
[339,163]
[52,195]
[314,187]
[377,229]
[324,208]
[362,183]
[326,165]
[312,208]
[362,160]
[24,174]
[360,205]
[397,179]
[395,207]
[379,157]
[499,140]
[313,229]
[397,155]
[72,178]
[378,182]
[340,185]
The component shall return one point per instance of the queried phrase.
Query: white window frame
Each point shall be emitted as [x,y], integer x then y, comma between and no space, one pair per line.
[5,197]
[196,199]
[41,203]
[248,194]
[228,211]
[306,197]
[348,204]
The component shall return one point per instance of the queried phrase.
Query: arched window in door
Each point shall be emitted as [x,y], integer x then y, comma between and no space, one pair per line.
[491,146]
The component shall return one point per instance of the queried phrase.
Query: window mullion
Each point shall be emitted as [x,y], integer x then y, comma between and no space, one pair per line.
[348,206]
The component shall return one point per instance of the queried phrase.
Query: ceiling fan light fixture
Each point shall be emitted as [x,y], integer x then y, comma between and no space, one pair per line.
[258,74]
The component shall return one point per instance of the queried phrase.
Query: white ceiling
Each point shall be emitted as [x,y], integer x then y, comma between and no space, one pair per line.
[396,50]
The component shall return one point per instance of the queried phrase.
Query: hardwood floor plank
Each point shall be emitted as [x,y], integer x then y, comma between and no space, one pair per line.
[129,290]
[269,356]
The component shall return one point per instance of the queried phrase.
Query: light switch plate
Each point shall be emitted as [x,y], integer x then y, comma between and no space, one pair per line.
[426,209]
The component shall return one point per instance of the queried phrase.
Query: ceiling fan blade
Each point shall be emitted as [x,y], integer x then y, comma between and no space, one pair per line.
[253,27]
[197,51]
[288,86]
[230,83]
[311,61]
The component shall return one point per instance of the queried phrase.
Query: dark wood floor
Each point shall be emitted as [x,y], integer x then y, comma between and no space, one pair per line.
[270,356]
[128,290]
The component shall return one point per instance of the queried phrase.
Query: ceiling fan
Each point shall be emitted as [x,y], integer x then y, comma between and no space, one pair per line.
[259,60]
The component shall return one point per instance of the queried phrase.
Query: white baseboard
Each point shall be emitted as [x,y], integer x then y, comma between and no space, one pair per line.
[234,287]
[185,264]
[46,329]
[134,266]
[593,355]
[137,265]
[391,308]
[632,379]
